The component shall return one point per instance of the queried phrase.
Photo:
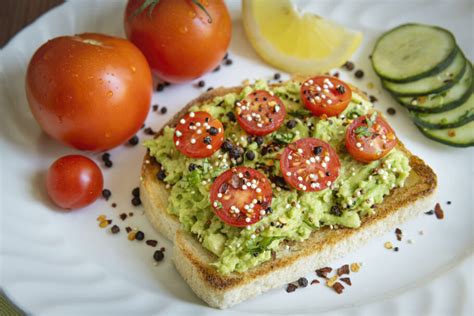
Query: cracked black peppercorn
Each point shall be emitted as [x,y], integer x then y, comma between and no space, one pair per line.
[115,229]
[136,201]
[160,87]
[291,124]
[106,194]
[213,131]
[158,255]
[359,74]
[277,76]
[349,65]
[259,140]
[192,167]
[201,83]
[105,156]
[250,155]
[161,175]
[391,111]
[231,116]
[341,89]
[207,140]
[134,140]
[136,191]
[139,235]
[303,282]
[227,146]
[108,163]
[163,110]
[317,150]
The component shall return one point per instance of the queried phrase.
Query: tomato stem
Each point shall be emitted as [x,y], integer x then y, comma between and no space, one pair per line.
[151,4]
[199,4]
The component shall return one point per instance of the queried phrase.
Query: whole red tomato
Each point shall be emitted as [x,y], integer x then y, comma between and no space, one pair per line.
[89,91]
[181,39]
[74,181]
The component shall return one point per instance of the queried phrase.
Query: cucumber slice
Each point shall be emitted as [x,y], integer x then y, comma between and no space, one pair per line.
[432,84]
[413,51]
[462,136]
[449,119]
[443,101]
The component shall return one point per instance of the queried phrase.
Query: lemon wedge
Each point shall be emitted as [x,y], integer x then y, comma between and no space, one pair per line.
[296,42]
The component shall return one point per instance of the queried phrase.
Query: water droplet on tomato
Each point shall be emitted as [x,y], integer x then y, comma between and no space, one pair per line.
[183,29]
[110,93]
[133,68]
[192,14]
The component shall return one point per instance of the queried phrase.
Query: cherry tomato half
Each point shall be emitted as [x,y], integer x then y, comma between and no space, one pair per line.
[370,138]
[260,113]
[241,196]
[325,95]
[74,181]
[309,164]
[198,134]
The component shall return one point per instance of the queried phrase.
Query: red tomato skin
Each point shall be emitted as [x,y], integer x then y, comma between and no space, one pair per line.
[364,156]
[74,182]
[238,222]
[177,39]
[198,149]
[330,110]
[306,143]
[89,96]
[278,119]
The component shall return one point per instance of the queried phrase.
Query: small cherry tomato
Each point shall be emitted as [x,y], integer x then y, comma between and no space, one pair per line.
[74,181]
[260,113]
[309,164]
[325,95]
[198,134]
[370,138]
[241,196]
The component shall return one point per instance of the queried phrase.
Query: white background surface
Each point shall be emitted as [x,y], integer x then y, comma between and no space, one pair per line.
[61,263]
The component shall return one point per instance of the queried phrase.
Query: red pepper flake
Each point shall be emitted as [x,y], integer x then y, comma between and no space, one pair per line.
[451,133]
[323,272]
[128,229]
[123,216]
[346,280]
[343,270]
[291,288]
[439,211]
[162,249]
[130,214]
[338,287]
[151,242]
[315,282]
[399,234]
[114,205]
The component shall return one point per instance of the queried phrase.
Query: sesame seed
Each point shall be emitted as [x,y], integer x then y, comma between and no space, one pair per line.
[191,114]
[193,141]
[182,121]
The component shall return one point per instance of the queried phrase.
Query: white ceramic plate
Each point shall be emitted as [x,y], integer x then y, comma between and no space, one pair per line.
[56,263]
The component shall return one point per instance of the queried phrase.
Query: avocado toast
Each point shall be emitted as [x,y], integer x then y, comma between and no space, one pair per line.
[225,265]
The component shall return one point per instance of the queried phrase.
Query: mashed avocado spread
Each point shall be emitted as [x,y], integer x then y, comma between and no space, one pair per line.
[295,213]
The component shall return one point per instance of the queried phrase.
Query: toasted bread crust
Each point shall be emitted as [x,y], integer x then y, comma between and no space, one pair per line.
[324,245]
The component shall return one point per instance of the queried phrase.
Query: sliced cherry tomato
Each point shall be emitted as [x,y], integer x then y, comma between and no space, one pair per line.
[370,138]
[198,134]
[74,181]
[241,196]
[309,164]
[325,95]
[260,113]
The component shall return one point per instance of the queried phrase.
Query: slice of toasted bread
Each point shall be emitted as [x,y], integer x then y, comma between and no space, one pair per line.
[325,245]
